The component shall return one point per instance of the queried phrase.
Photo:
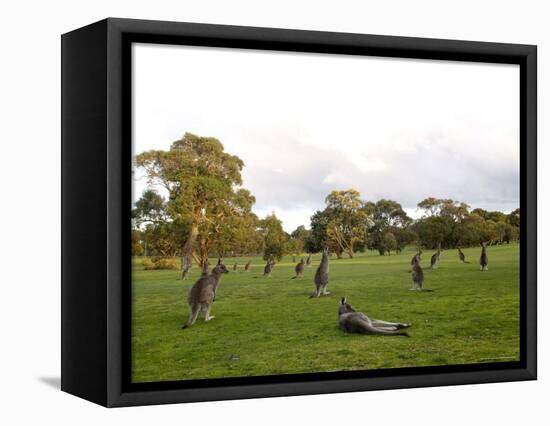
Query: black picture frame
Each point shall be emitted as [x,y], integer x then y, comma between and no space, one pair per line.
[96,167]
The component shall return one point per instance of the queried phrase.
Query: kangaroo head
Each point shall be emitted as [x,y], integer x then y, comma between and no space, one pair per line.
[345,307]
[220,269]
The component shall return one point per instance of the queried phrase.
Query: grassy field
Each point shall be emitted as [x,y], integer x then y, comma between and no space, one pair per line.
[268,325]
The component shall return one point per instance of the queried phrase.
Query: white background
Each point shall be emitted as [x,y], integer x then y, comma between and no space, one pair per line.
[30,211]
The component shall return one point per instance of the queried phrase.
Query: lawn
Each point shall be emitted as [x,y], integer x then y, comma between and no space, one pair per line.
[268,325]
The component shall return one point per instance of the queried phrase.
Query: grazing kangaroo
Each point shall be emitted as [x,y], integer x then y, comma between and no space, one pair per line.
[483,260]
[352,321]
[299,268]
[461,256]
[235,267]
[205,268]
[308,261]
[434,261]
[418,277]
[203,293]
[321,276]
[269,267]
[247,266]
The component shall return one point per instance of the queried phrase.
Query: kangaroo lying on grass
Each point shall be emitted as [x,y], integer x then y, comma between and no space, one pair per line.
[352,321]
[321,277]
[203,293]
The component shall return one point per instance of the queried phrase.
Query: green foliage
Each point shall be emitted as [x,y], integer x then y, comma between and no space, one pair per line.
[155,263]
[274,237]
[201,180]
[347,220]
[389,229]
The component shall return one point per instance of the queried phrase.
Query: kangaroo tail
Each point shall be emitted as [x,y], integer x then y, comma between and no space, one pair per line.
[295,277]
[369,329]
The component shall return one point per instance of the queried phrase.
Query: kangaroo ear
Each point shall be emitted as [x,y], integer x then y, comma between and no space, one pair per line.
[344,300]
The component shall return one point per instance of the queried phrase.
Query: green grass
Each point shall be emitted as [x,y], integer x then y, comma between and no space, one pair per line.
[268,325]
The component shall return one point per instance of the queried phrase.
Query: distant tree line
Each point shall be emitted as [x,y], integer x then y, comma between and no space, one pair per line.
[208,213]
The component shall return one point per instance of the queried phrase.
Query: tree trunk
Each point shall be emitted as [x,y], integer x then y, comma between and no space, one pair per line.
[187,250]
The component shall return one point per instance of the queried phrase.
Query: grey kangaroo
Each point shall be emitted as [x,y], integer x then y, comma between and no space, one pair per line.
[416,257]
[418,277]
[203,293]
[235,267]
[269,267]
[461,256]
[321,276]
[434,261]
[483,260]
[352,321]
[247,266]
[299,269]
[308,261]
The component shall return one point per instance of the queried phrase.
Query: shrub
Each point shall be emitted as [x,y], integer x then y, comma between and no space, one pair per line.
[159,263]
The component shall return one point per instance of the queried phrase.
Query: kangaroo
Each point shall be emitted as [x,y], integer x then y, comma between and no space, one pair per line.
[461,256]
[293,258]
[205,268]
[247,266]
[352,321]
[308,261]
[203,293]
[434,261]
[235,267]
[483,260]
[416,257]
[418,277]
[299,268]
[269,267]
[321,276]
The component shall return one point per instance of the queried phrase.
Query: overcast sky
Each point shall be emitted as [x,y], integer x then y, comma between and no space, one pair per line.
[306,124]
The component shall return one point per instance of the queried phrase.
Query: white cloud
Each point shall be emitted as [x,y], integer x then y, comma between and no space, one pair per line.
[305,124]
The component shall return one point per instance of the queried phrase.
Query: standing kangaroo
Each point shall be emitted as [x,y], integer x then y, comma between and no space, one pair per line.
[247,266]
[235,267]
[321,276]
[299,269]
[483,260]
[352,321]
[434,261]
[203,293]
[417,277]
[308,261]
[269,267]
[461,256]
[416,257]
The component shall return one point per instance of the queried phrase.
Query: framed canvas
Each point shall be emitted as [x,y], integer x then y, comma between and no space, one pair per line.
[255,212]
